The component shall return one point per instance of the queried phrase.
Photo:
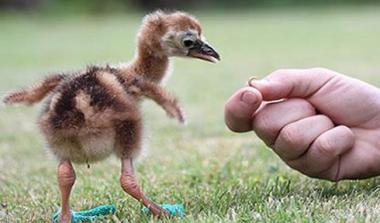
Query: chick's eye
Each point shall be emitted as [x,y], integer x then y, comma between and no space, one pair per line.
[188,43]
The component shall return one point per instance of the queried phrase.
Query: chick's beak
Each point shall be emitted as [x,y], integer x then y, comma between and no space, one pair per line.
[203,51]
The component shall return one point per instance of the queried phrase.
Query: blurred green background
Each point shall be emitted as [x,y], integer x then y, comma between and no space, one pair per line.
[219,176]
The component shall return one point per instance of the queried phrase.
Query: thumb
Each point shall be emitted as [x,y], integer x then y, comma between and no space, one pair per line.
[240,107]
[287,83]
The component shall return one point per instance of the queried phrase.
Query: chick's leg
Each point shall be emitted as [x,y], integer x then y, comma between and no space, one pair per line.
[127,144]
[66,180]
[130,185]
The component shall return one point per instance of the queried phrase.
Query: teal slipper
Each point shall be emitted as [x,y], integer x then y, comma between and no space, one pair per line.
[176,210]
[87,215]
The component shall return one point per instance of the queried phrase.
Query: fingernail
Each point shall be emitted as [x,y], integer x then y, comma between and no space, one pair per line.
[249,97]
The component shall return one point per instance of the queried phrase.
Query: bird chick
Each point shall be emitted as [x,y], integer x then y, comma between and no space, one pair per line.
[95,112]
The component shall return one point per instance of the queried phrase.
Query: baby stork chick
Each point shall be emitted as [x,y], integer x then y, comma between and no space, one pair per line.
[95,112]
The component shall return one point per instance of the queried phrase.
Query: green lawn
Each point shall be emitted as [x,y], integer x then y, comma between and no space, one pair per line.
[219,176]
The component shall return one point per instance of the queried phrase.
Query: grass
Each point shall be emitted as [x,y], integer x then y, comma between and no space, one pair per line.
[219,176]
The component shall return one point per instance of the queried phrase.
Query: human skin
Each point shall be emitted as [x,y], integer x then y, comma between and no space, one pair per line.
[324,124]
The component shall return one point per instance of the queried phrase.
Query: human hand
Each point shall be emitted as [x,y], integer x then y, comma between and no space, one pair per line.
[321,123]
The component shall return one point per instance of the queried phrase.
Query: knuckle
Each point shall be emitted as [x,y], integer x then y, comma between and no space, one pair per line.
[263,123]
[291,135]
[323,118]
[325,146]
[303,105]
[320,70]
[279,71]
[347,133]
[307,106]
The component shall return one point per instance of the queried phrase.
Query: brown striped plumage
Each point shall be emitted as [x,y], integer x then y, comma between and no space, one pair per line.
[95,112]
[82,118]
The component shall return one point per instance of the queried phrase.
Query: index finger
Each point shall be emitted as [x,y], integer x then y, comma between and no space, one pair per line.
[240,107]
[291,83]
